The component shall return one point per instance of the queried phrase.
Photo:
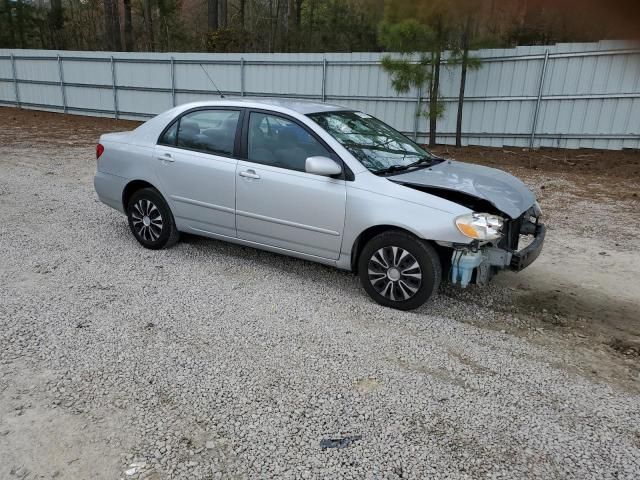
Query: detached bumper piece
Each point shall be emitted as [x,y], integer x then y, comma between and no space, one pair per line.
[527,255]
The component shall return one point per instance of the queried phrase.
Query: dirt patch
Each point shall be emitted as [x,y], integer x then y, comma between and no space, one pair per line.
[33,127]
[585,162]
[44,437]
[626,347]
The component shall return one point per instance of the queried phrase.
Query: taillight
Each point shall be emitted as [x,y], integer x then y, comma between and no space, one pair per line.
[99,150]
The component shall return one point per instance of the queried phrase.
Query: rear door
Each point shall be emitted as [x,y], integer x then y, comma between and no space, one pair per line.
[197,169]
[277,202]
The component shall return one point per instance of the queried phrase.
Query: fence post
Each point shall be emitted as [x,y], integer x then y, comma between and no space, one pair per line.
[62,91]
[324,79]
[15,80]
[537,109]
[173,82]
[115,88]
[241,76]
[416,120]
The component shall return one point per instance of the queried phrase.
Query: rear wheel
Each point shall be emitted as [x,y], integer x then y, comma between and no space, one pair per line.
[151,220]
[399,270]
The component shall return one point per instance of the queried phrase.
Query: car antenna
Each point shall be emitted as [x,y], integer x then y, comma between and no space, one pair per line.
[211,80]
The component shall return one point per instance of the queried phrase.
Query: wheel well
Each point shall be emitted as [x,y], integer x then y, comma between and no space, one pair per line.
[364,237]
[131,188]
[369,233]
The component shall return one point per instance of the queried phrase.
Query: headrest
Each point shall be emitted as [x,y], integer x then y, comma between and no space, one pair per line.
[229,123]
[289,134]
[189,127]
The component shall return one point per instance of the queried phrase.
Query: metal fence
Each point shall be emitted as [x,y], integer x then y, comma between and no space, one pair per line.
[565,95]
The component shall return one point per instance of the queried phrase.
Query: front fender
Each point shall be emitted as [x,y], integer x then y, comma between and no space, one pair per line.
[367,209]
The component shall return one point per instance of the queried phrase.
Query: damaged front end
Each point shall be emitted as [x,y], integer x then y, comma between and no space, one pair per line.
[495,246]
[510,216]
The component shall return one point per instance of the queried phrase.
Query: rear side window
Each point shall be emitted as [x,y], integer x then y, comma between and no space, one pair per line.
[209,131]
[276,141]
[170,135]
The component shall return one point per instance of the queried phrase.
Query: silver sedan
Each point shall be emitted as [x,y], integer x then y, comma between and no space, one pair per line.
[323,183]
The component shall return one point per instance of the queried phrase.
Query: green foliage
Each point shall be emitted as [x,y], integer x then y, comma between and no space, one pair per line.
[402,26]
[406,36]
[227,39]
[420,46]
[473,62]
[405,73]
[434,110]
[22,25]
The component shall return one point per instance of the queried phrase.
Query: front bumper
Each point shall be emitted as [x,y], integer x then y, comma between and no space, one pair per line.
[478,265]
[528,254]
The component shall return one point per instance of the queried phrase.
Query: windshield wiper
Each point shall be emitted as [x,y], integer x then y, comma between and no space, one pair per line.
[391,169]
[420,162]
[399,168]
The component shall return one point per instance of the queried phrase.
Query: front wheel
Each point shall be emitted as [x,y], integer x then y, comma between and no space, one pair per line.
[399,270]
[151,220]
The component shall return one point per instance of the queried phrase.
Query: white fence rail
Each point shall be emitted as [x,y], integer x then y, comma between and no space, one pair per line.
[566,95]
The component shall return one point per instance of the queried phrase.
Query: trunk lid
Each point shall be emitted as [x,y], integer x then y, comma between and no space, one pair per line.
[121,137]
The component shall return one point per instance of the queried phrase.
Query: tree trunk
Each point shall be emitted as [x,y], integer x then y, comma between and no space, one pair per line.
[112,26]
[223,13]
[463,80]
[148,17]
[433,98]
[56,24]
[298,14]
[212,15]
[291,19]
[128,26]
[20,22]
[242,7]
[311,22]
[9,12]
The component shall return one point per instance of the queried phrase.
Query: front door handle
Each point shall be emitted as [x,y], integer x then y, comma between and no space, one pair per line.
[166,157]
[249,174]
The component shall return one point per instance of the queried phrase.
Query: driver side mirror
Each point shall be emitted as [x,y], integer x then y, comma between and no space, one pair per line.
[322,166]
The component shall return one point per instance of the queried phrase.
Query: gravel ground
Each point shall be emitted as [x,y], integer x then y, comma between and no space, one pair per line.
[210,360]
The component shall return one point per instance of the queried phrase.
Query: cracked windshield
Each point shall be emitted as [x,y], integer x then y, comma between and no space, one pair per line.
[377,146]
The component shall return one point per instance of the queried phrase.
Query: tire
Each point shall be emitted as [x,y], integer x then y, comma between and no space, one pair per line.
[399,270]
[151,220]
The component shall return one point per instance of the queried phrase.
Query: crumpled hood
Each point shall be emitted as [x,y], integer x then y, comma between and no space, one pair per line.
[504,191]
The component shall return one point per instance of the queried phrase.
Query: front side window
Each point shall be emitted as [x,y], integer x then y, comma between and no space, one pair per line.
[279,142]
[375,144]
[210,131]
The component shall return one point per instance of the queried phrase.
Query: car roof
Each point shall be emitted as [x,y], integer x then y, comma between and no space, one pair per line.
[303,107]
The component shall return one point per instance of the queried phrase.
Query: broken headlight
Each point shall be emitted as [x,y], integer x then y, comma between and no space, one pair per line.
[480,226]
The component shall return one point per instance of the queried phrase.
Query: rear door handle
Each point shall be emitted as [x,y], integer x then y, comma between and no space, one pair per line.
[166,157]
[249,174]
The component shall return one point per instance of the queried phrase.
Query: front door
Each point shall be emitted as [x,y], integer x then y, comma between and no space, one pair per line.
[277,202]
[197,169]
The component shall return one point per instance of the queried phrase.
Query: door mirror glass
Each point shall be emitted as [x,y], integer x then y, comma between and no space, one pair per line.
[322,166]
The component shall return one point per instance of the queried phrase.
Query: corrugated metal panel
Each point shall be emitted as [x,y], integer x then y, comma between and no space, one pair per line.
[90,98]
[589,93]
[6,92]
